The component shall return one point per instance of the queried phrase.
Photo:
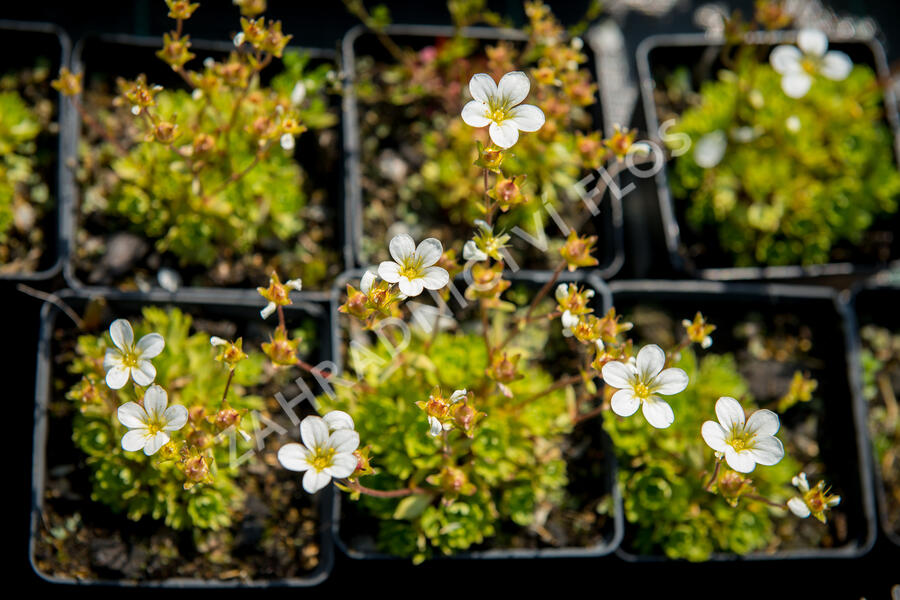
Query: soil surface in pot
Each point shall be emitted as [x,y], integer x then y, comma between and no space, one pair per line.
[276,534]
[119,249]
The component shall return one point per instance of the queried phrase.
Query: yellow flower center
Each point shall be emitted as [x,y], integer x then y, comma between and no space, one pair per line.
[809,65]
[411,267]
[740,439]
[321,458]
[641,391]
[498,110]
[129,359]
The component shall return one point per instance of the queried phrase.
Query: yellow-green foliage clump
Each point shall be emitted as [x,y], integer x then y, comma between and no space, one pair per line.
[158,486]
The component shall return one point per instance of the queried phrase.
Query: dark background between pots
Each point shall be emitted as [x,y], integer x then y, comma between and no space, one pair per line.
[323,24]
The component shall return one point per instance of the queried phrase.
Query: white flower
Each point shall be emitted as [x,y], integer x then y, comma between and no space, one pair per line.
[128,359]
[710,149]
[813,501]
[798,65]
[287,141]
[640,382]
[743,443]
[290,284]
[496,106]
[323,454]
[149,424]
[413,270]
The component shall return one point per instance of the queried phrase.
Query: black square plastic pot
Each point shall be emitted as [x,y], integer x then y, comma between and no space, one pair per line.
[872,305]
[841,429]
[359,41]
[675,50]
[359,544]
[52,443]
[109,56]
[21,43]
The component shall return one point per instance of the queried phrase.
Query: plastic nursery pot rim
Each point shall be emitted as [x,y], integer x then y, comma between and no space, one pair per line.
[772,292]
[64,177]
[69,228]
[353,193]
[618,520]
[671,226]
[873,286]
[43,392]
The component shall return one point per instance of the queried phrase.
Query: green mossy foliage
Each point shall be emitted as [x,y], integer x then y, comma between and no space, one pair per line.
[204,217]
[787,197]
[513,460]
[663,473]
[150,486]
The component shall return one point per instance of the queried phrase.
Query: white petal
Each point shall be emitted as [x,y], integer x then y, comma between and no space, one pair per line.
[474,113]
[786,59]
[121,333]
[144,373]
[215,340]
[562,292]
[618,374]
[338,419]
[714,436]
[798,507]
[135,440]
[624,403]
[742,461]
[132,415]
[267,311]
[434,278]
[729,412]
[176,417]
[402,247]
[155,442]
[151,345]
[528,117]
[482,87]
[767,451]
[504,135]
[472,252]
[457,396]
[411,287]
[796,84]
[670,381]
[389,271]
[293,456]
[314,432]
[434,427]
[313,480]
[569,321]
[117,377]
[513,87]
[658,412]
[800,482]
[112,358]
[429,251]
[763,423]
[710,149]
[836,65]
[365,284]
[155,400]
[342,465]
[344,441]
[650,361]
[812,41]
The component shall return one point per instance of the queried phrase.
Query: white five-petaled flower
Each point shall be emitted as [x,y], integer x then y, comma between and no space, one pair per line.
[813,501]
[743,442]
[640,382]
[326,451]
[496,105]
[128,359]
[412,268]
[798,64]
[149,424]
